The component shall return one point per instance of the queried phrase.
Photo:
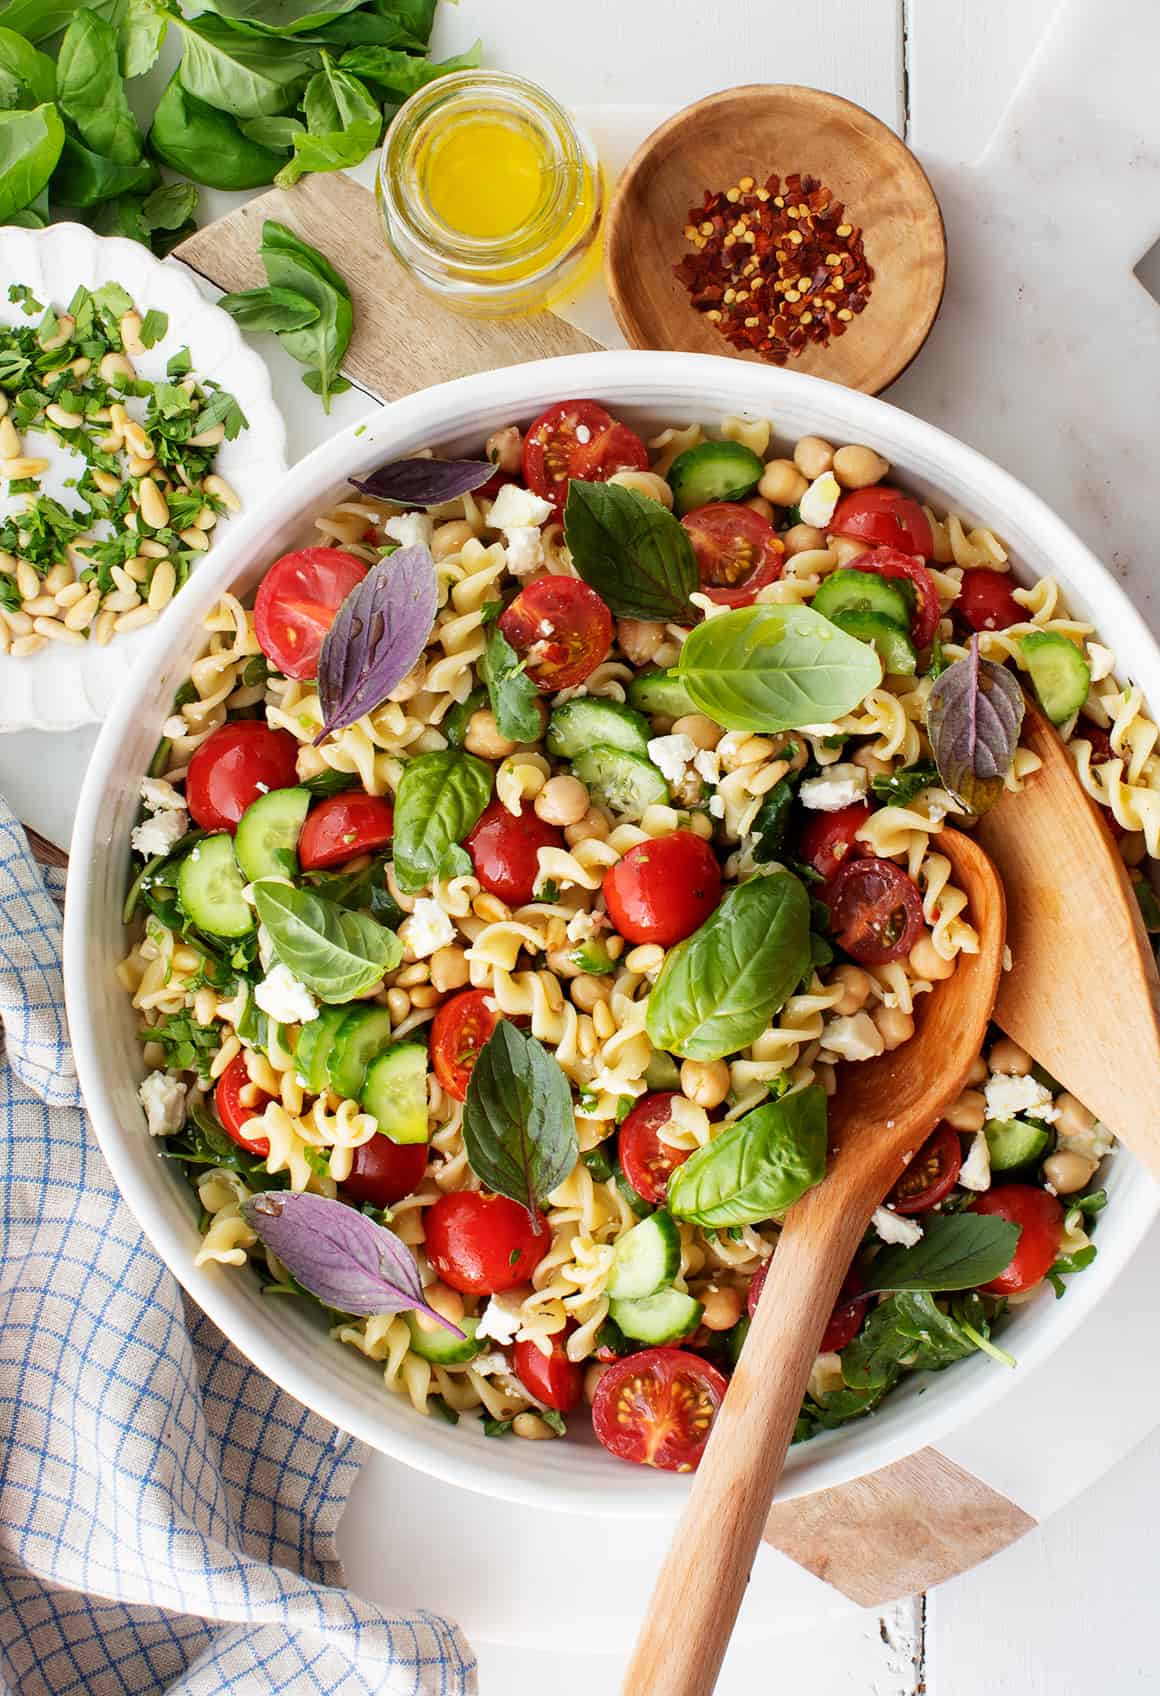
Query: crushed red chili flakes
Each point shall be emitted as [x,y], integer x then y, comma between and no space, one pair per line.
[775,268]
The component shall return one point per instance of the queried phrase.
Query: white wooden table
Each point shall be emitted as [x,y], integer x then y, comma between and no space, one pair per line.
[1068,1609]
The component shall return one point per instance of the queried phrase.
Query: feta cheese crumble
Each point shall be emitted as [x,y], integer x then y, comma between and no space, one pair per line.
[839,786]
[893,1228]
[500,1320]
[518,509]
[160,796]
[159,833]
[975,1172]
[1007,1096]
[409,529]
[284,998]
[427,929]
[1101,660]
[672,756]
[817,504]
[853,1036]
[163,1099]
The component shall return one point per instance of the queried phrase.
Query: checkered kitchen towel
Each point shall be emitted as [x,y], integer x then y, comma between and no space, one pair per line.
[167,1515]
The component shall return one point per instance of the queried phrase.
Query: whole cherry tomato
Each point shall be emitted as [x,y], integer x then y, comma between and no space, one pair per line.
[829,838]
[1040,1220]
[383,1172]
[985,600]
[233,766]
[657,1408]
[562,630]
[737,551]
[459,1030]
[885,518]
[875,910]
[483,1244]
[663,889]
[341,827]
[646,1161]
[504,848]
[578,438]
[552,1378]
[231,1111]
[296,605]
[930,1177]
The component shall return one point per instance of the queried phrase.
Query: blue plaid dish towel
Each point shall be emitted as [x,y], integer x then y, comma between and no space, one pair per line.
[167,1515]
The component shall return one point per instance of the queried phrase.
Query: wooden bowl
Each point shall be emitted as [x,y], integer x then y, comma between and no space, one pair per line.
[754,131]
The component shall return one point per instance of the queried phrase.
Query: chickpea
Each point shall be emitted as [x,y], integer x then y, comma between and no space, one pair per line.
[593,827]
[928,962]
[812,456]
[444,1300]
[449,968]
[639,638]
[449,538]
[1074,1119]
[699,728]
[1007,1056]
[855,989]
[895,1026]
[803,539]
[968,1113]
[782,483]
[562,801]
[1067,1172]
[505,449]
[858,467]
[592,1378]
[531,1426]
[705,1081]
[978,1073]
[483,737]
[722,1307]
[586,991]
[762,507]
[845,548]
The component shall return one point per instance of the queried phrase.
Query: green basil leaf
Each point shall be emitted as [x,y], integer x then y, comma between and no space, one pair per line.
[631,550]
[343,124]
[281,17]
[908,1331]
[293,264]
[85,178]
[142,35]
[899,788]
[770,828]
[720,987]
[34,71]
[240,74]
[400,74]
[757,1167]
[958,1251]
[514,698]
[30,146]
[269,309]
[337,954]
[273,132]
[439,800]
[207,145]
[90,93]
[37,20]
[518,1126]
[770,667]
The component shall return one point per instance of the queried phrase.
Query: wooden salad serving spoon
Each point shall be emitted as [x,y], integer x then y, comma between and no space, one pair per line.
[883,1113]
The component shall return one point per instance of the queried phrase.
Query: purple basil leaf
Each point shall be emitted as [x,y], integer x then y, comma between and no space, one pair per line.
[339,1255]
[425,482]
[973,717]
[379,632]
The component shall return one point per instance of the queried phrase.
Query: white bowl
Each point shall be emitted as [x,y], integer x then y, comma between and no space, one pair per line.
[285,1339]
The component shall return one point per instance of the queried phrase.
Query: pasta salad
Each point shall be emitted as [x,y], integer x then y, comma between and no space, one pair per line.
[516,877]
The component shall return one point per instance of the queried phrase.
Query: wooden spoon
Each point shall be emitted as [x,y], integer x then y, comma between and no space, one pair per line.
[883,1113]
[1082,995]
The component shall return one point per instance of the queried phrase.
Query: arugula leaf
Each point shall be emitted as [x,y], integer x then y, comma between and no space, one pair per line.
[757,1167]
[514,698]
[439,800]
[908,1330]
[631,550]
[189,1047]
[899,788]
[957,1252]
[337,954]
[518,1126]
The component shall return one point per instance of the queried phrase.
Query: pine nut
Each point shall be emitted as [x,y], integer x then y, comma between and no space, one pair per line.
[217,486]
[130,328]
[153,550]
[61,575]
[139,467]
[206,518]
[62,419]
[163,584]
[82,612]
[106,482]
[9,440]
[27,580]
[123,581]
[110,443]
[398,1004]
[3,404]
[115,368]
[57,632]
[23,467]
[5,639]
[137,440]
[17,620]
[80,367]
[137,569]
[136,619]
[122,600]
[41,606]
[103,627]
[211,438]
[154,506]
[23,645]
[531,1426]
[65,325]
[195,539]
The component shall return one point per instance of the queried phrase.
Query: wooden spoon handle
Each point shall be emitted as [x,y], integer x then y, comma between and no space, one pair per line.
[690,1619]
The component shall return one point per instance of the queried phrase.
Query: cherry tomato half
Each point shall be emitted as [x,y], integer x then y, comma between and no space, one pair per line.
[931,1176]
[578,438]
[737,552]
[1090,731]
[504,848]
[296,604]
[829,838]
[646,1161]
[235,765]
[657,1408]
[552,1378]
[875,910]
[560,628]
[844,1322]
[1040,1220]
[892,562]
[231,1111]
[341,827]
[383,1172]
[459,1030]
[985,600]
[483,1244]
[663,889]
[885,518]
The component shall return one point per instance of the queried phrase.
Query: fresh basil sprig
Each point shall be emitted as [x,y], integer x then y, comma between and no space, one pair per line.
[910,1331]
[720,987]
[514,698]
[958,1251]
[974,713]
[518,1126]
[771,667]
[438,803]
[631,550]
[338,954]
[757,1167]
[378,633]
[295,267]
[343,124]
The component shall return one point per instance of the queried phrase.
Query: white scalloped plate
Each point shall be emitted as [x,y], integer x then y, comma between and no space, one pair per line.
[62,688]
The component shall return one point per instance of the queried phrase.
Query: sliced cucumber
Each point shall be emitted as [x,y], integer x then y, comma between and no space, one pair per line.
[432,1342]
[396,1092]
[1012,1143]
[267,841]
[663,1318]
[314,1045]
[863,591]
[210,888]
[455,723]
[581,724]
[619,780]
[895,649]
[361,1038]
[631,1198]
[645,1259]
[662,1071]
[713,471]
[1059,672]
[661,693]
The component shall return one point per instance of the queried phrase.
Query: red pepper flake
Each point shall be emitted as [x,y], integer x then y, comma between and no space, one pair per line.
[777,268]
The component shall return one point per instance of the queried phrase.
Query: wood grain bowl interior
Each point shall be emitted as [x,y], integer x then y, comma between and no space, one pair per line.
[779,128]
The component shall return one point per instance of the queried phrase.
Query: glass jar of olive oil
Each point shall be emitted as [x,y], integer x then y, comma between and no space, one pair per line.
[489,193]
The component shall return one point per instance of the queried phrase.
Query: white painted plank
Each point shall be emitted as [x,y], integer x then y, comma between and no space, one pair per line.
[964,61]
